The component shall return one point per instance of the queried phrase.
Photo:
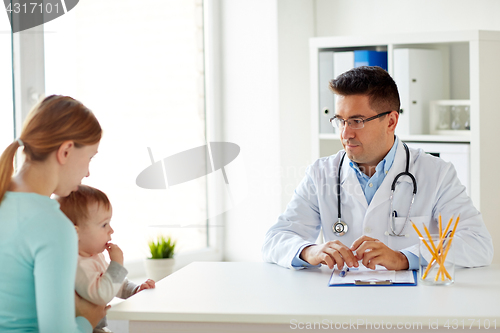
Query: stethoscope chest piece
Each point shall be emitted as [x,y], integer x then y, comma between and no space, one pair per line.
[340,228]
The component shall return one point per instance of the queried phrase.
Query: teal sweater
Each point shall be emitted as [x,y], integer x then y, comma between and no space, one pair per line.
[38,257]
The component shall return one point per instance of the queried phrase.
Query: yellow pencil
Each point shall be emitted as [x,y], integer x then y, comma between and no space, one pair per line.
[423,239]
[435,250]
[449,243]
[430,238]
[434,255]
[438,258]
[441,239]
[440,226]
[448,225]
[428,268]
[443,235]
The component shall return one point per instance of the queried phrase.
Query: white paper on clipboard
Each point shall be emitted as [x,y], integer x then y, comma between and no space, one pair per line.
[368,275]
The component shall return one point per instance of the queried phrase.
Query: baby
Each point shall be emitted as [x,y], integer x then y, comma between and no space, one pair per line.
[97,281]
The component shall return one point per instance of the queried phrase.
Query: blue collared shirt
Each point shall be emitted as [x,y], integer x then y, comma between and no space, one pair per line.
[370,187]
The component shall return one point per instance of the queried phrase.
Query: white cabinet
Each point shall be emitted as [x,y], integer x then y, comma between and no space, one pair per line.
[469,70]
[325,97]
[420,79]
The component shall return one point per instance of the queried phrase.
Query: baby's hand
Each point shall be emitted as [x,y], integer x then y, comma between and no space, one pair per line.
[149,284]
[115,253]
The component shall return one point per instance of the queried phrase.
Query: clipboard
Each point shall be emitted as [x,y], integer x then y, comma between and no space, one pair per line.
[363,277]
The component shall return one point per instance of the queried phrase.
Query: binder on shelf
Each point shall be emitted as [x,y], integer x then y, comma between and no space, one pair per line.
[419,76]
[370,58]
[362,276]
[326,98]
[342,62]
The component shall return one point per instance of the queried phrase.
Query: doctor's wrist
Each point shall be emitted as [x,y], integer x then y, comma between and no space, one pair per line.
[403,261]
[304,253]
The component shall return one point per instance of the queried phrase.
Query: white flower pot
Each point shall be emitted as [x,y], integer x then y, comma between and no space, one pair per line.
[157,269]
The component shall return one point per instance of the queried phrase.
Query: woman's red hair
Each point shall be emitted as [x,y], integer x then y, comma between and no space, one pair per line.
[51,122]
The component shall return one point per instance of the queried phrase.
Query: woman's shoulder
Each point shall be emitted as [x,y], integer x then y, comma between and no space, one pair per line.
[33,200]
[35,210]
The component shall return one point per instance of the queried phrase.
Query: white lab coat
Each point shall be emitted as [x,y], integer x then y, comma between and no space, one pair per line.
[314,207]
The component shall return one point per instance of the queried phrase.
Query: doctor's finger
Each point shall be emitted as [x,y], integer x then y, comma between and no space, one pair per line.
[368,246]
[372,254]
[372,261]
[327,260]
[355,245]
[348,257]
[373,258]
[335,255]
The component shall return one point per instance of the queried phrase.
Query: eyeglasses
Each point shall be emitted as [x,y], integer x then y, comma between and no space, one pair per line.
[354,123]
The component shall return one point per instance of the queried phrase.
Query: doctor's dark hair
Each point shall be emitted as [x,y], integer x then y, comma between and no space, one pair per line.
[76,205]
[49,124]
[372,81]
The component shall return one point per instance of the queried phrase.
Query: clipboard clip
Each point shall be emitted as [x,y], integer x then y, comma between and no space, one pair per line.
[372,283]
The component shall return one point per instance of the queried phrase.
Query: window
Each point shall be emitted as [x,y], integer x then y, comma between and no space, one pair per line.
[6,100]
[139,66]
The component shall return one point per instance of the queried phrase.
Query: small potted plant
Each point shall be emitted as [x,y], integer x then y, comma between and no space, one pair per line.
[162,259]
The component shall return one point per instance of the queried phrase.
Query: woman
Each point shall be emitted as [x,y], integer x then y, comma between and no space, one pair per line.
[38,244]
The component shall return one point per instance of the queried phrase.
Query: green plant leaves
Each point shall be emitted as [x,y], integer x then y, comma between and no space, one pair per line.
[162,247]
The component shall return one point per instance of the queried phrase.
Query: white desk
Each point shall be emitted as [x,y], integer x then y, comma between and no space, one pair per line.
[260,297]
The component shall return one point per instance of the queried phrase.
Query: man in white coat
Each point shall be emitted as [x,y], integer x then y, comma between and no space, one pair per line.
[366,114]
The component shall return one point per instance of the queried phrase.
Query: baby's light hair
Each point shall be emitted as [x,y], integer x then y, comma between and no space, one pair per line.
[76,205]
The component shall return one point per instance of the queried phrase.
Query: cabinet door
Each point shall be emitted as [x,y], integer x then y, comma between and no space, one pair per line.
[419,76]
[326,100]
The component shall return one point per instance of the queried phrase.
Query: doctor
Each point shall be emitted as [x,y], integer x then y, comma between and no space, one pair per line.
[368,230]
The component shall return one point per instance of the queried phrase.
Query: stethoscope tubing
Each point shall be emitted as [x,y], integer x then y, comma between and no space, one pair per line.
[393,188]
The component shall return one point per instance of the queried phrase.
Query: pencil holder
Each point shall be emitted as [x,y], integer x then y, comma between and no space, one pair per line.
[436,260]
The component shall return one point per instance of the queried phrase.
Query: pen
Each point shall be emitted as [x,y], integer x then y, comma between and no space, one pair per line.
[344,270]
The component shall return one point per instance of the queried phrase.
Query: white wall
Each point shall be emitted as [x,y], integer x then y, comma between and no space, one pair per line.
[251,119]
[295,27]
[357,17]
[265,61]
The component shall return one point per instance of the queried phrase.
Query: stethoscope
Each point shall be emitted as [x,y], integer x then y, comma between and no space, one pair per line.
[340,228]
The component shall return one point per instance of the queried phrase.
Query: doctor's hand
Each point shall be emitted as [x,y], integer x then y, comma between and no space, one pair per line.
[374,252]
[329,253]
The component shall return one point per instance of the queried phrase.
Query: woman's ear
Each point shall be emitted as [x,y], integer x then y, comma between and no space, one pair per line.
[64,151]
[77,229]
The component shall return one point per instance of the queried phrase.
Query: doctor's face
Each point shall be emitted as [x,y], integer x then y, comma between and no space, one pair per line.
[366,146]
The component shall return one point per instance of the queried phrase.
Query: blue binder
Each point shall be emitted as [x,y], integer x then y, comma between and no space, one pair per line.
[370,58]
